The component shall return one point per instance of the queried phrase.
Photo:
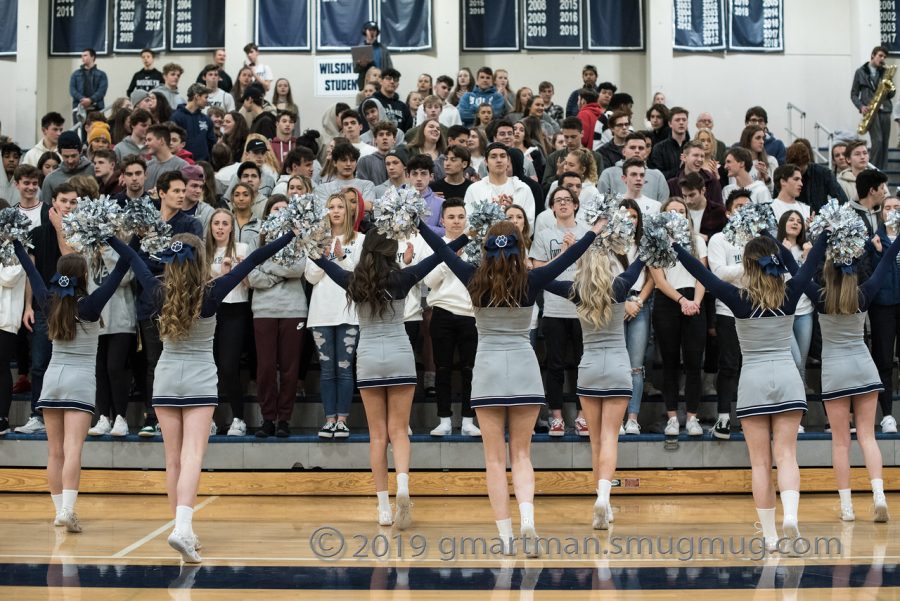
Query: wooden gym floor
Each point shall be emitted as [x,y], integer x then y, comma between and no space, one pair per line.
[275,547]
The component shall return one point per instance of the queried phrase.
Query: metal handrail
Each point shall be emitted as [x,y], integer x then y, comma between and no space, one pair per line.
[829,138]
[792,108]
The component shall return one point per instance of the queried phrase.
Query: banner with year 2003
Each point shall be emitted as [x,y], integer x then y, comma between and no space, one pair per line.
[552,24]
[889,26]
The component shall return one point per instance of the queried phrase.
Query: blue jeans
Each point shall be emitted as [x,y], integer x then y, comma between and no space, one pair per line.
[637,336]
[41,349]
[336,346]
[803,330]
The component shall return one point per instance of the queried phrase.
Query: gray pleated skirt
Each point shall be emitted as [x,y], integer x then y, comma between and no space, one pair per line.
[70,381]
[186,374]
[384,356]
[847,365]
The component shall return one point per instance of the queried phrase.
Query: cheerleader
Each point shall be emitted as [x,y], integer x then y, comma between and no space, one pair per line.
[771,395]
[506,379]
[234,319]
[386,367]
[334,324]
[69,391]
[604,374]
[849,376]
[185,385]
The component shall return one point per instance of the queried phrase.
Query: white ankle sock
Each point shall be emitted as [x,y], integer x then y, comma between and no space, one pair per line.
[844,494]
[790,504]
[384,501]
[428,379]
[184,515]
[504,527]
[403,483]
[877,486]
[526,514]
[467,420]
[68,499]
[603,488]
[57,502]
[767,521]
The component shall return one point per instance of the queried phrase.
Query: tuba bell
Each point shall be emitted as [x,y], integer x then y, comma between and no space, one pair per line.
[885,86]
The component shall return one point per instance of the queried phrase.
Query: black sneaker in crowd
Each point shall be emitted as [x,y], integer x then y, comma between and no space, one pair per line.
[430,392]
[267,430]
[4,426]
[283,430]
[722,429]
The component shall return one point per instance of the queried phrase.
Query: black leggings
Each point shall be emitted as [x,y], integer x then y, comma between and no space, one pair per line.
[8,344]
[232,323]
[113,374]
[559,332]
[451,333]
[885,320]
[152,346]
[679,338]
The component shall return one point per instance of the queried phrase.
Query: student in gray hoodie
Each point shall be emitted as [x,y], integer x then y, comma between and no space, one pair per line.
[73,163]
[279,317]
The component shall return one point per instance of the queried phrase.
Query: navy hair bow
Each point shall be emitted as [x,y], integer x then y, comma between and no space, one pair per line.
[848,268]
[64,285]
[502,245]
[177,251]
[772,265]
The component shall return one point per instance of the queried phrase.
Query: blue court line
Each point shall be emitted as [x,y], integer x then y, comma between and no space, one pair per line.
[682,577]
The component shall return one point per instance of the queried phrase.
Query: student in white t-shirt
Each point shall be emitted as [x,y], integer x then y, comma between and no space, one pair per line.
[679,321]
[633,174]
[738,163]
[790,179]
[262,74]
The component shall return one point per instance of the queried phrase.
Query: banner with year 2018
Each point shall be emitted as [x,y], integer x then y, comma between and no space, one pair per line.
[889,25]
[75,26]
[698,25]
[9,23]
[271,34]
[139,24]
[553,24]
[756,25]
[615,25]
[490,25]
[197,25]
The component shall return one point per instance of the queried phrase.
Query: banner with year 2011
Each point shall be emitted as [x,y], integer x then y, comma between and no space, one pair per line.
[139,24]
[490,25]
[698,25]
[553,24]
[197,25]
[75,26]
[756,26]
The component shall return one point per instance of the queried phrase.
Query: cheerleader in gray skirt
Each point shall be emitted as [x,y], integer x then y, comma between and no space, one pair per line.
[604,375]
[771,394]
[70,385]
[849,376]
[385,365]
[506,379]
[185,386]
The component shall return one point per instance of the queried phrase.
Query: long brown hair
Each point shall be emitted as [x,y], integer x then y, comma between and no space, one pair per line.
[500,281]
[61,317]
[184,287]
[369,280]
[212,244]
[763,290]
[841,290]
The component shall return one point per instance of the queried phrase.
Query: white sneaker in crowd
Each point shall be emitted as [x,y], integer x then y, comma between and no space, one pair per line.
[35,425]
[693,426]
[101,428]
[672,427]
[213,428]
[120,427]
[469,428]
[888,425]
[444,428]
[238,427]
[632,427]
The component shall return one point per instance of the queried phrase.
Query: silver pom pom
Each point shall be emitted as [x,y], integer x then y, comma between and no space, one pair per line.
[14,226]
[618,235]
[91,222]
[398,212]
[655,249]
[847,241]
[483,215]
[893,220]
[140,217]
[749,222]
[307,215]
[594,206]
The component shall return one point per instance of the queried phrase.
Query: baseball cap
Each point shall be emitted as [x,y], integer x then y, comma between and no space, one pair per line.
[256,146]
[370,25]
[193,172]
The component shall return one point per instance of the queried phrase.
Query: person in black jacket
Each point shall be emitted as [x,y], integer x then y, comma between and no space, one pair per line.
[819,183]
[666,155]
[263,122]
[395,109]
[147,79]
[865,83]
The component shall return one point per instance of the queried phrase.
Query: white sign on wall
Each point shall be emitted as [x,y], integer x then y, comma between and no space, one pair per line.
[335,77]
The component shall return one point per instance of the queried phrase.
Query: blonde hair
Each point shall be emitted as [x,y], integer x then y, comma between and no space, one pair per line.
[765,292]
[593,285]
[347,232]
[212,244]
[184,288]
[711,153]
[841,290]
[588,164]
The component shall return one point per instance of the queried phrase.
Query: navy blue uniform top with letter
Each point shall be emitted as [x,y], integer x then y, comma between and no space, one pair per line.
[70,381]
[186,374]
[847,365]
[605,370]
[506,371]
[384,355]
[769,381]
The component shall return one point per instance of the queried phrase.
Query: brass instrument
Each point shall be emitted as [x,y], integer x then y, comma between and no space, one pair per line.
[884,86]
